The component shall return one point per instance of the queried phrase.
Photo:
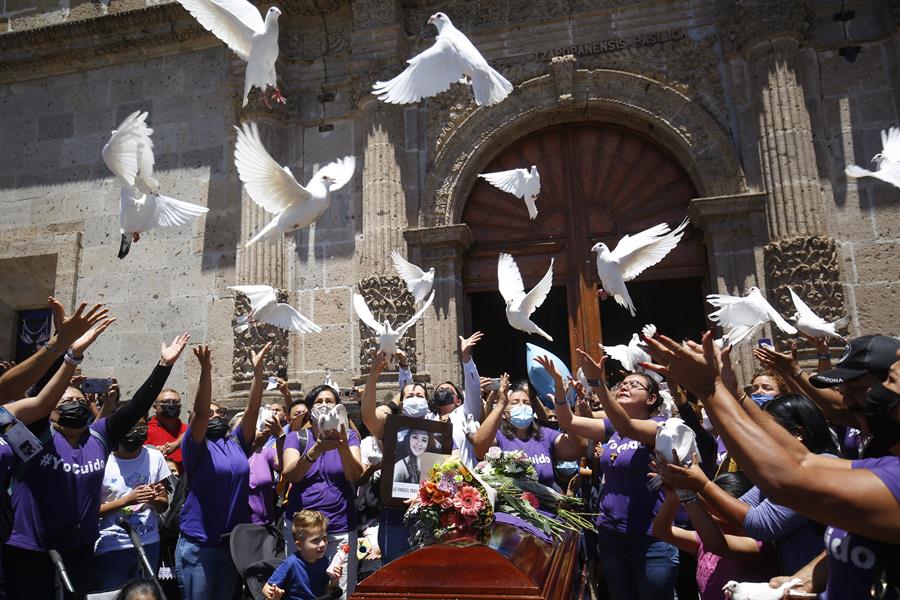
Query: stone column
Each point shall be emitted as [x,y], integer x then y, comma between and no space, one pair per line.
[734,230]
[443,248]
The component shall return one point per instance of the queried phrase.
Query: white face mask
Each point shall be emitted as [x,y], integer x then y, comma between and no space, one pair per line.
[414,406]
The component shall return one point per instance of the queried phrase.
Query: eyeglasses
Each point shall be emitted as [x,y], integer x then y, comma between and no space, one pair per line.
[631,384]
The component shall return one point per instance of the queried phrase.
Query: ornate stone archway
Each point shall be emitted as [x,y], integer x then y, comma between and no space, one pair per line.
[732,219]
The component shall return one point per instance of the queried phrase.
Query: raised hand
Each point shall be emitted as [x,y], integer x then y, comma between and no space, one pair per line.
[504,389]
[580,392]
[550,367]
[466,345]
[693,367]
[781,362]
[402,361]
[72,328]
[728,376]
[379,362]
[257,359]
[169,354]
[681,478]
[91,335]
[273,426]
[593,369]
[203,356]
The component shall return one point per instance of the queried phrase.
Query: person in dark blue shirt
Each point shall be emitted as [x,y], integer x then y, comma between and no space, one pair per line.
[305,574]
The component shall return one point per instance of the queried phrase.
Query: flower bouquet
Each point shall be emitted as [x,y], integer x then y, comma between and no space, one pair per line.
[514,481]
[452,503]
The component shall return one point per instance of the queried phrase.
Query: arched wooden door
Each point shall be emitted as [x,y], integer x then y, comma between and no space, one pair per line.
[598,182]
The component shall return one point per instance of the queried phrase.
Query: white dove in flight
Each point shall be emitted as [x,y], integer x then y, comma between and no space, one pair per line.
[519,305]
[239,24]
[265,308]
[811,324]
[888,160]
[451,59]
[634,353]
[633,255]
[521,183]
[129,155]
[274,188]
[762,591]
[418,282]
[385,333]
[741,317]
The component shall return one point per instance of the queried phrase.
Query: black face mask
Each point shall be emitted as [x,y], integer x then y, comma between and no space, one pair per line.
[879,405]
[217,428]
[73,414]
[444,397]
[134,439]
[170,410]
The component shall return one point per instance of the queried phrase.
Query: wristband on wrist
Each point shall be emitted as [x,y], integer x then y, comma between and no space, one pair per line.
[70,358]
[593,382]
[50,347]
[824,356]
[686,496]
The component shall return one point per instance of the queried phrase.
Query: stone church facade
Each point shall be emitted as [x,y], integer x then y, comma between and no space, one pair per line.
[740,115]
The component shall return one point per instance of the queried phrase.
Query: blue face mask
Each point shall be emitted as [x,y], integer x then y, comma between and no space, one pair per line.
[761,399]
[567,469]
[521,416]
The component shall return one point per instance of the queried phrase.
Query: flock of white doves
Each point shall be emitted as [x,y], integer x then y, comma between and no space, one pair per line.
[451,59]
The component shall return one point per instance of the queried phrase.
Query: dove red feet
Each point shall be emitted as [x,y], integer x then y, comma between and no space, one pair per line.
[603,294]
[277,97]
[135,237]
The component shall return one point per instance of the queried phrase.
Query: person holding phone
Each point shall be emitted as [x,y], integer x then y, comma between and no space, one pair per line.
[133,489]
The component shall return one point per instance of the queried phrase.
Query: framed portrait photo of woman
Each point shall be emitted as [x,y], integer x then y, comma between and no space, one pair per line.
[411,447]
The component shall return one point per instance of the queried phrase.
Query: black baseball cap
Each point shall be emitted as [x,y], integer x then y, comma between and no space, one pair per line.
[867,354]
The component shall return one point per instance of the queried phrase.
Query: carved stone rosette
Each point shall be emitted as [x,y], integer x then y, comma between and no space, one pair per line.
[254,338]
[389,300]
[808,265]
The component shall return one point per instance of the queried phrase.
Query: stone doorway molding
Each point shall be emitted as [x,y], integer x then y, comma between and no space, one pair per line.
[471,138]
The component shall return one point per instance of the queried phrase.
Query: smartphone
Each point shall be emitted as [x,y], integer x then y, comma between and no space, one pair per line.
[766,343]
[347,392]
[96,386]
[495,384]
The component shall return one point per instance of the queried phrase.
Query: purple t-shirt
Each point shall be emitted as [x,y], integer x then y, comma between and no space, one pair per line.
[540,452]
[721,450]
[218,487]
[854,561]
[626,505]
[714,571]
[324,487]
[262,486]
[56,504]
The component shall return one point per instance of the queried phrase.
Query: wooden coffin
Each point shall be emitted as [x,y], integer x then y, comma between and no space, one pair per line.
[512,564]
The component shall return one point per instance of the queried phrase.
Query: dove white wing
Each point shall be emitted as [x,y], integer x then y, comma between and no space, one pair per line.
[779,320]
[509,280]
[645,249]
[538,293]
[171,212]
[890,145]
[429,73]
[365,315]
[412,321]
[733,311]
[341,170]
[512,181]
[408,271]
[121,151]
[288,317]
[805,311]
[269,185]
[620,353]
[232,21]
[257,294]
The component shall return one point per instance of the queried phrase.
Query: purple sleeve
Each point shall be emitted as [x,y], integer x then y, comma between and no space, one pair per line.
[246,446]
[768,522]
[353,439]
[191,450]
[270,454]
[554,435]
[608,427]
[886,468]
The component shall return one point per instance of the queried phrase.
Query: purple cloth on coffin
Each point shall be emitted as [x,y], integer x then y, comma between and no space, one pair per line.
[508,519]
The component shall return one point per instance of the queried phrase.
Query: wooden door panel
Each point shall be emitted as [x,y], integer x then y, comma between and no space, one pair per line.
[598,182]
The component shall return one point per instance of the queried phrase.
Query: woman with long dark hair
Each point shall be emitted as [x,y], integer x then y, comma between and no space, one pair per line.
[323,467]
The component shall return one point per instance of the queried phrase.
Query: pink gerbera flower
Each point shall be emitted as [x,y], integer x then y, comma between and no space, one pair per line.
[468,501]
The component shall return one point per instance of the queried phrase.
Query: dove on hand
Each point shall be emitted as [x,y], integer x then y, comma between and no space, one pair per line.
[418,282]
[811,324]
[329,417]
[673,439]
[519,305]
[742,317]
[521,183]
[275,189]
[633,255]
[888,160]
[762,591]
[265,308]
[451,59]
[239,24]
[385,333]
[129,155]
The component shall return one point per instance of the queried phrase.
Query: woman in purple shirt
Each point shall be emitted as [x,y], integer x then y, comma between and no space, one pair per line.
[264,463]
[323,468]
[511,426]
[635,564]
[56,501]
[215,463]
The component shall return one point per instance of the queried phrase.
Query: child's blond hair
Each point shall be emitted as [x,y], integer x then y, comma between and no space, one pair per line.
[306,521]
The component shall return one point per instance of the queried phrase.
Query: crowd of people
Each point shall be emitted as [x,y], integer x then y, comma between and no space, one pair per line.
[796,475]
